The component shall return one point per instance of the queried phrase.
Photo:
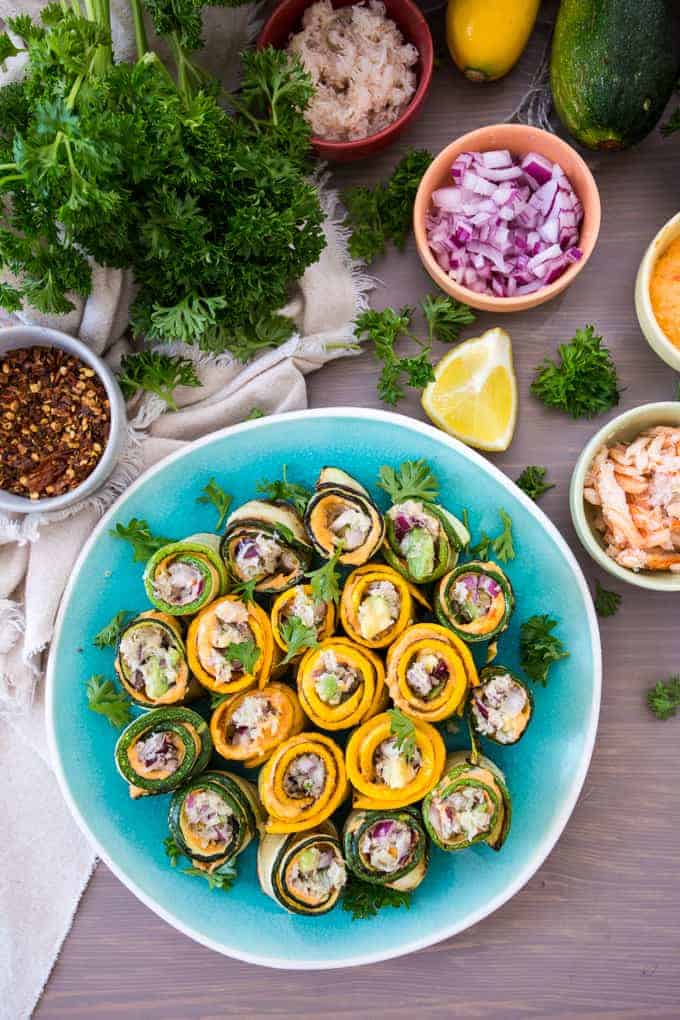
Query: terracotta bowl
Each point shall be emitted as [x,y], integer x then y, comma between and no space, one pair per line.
[520,140]
[287,18]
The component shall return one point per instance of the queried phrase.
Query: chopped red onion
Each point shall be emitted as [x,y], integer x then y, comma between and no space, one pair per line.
[381,829]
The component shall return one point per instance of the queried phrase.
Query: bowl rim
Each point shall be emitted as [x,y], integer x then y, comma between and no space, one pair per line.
[649,326]
[12,337]
[663,580]
[425,77]
[539,853]
[530,140]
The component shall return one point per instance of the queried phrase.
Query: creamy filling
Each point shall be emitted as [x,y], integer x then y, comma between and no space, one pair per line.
[255,717]
[352,527]
[379,609]
[260,555]
[151,660]
[317,873]
[157,751]
[179,584]
[307,611]
[466,812]
[408,516]
[209,818]
[387,845]
[305,777]
[231,629]
[426,675]
[497,707]
[334,681]
[392,767]
[473,596]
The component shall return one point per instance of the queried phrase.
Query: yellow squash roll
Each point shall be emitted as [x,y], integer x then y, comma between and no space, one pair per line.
[377,604]
[230,646]
[299,603]
[249,726]
[429,672]
[341,684]
[303,783]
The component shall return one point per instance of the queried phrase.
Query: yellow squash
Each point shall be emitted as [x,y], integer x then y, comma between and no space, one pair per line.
[486,37]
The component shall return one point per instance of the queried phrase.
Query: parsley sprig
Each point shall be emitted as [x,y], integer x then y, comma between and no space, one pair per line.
[246,653]
[138,533]
[606,602]
[105,699]
[222,879]
[289,492]
[156,373]
[172,851]
[245,590]
[413,479]
[108,636]
[663,698]
[366,899]
[539,648]
[584,380]
[502,546]
[297,637]
[532,481]
[404,730]
[325,580]
[221,500]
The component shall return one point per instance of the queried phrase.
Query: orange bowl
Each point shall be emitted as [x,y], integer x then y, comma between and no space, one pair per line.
[519,140]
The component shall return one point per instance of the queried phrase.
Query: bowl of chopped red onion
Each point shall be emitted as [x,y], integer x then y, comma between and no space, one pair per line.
[506,217]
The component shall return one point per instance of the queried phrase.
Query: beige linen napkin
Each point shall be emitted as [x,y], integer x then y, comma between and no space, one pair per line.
[37,552]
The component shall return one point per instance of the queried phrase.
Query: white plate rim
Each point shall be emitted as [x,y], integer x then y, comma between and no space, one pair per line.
[538,855]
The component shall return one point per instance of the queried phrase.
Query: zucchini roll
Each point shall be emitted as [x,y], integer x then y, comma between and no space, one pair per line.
[266,542]
[182,577]
[501,707]
[423,540]
[340,684]
[387,847]
[151,662]
[298,604]
[475,600]
[213,818]
[303,871]
[377,604]
[470,804]
[250,726]
[303,783]
[386,775]
[341,510]
[160,750]
[429,672]
[230,646]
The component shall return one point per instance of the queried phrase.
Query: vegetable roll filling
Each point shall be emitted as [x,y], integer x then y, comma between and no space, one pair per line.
[157,752]
[427,675]
[466,812]
[257,556]
[393,767]
[149,658]
[379,609]
[498,707]
[388,845]
[335,681]
[178,583]
[317,873]
[305,777]
[307,611]
[255,717]
[473,596]
[231,631]
[351,526]
[416,532]
[207,820]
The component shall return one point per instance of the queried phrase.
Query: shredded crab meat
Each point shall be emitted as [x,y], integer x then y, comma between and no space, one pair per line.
[260,555]
[148,653]
[308,612]
[392,767]
[178,584]
[497,707]
[254,716]
[387,845]
[362,69]
[466,812]
[318,872]
[334,681]
[426,674]
[409,515]
[305,777]
[351,527]
[157,751]
[209,818]
[636,490]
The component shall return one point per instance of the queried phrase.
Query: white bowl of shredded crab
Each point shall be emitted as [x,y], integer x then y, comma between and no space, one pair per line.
[625,496]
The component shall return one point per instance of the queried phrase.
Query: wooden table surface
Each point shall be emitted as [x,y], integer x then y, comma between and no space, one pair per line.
[596,932]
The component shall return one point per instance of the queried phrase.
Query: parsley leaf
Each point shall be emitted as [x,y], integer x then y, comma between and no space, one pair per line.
[380,215]
[104,698]
[254,413]
[297,637]
[502,545]
[221,500]
[539,647]
[108,636]
[413,479]
[246,653]
[365,899]
[532,481]
[289,492]
[216,699]
[156,373]
[446,317]
[663,698]
[245,590]
[138,533]
[584,381]
[172,851]
[325,580]
[482,550]
[606,602]
[404,730]
[222,879]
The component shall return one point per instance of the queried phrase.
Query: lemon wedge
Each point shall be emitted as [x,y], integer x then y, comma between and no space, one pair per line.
[474,393]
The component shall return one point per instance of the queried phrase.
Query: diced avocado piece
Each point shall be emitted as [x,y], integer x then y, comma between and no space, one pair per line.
[418,548]
[308,859]
[155,680]
[374,616]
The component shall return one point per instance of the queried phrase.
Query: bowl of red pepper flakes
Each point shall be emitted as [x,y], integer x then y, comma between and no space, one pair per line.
[62,420]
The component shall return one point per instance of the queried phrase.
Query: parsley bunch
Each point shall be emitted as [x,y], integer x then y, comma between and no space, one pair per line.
[663,699]
[532,481]
[583,382]
[539,647]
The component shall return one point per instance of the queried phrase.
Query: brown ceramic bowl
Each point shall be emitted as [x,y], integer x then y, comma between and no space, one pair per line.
[520,140]
[287,18]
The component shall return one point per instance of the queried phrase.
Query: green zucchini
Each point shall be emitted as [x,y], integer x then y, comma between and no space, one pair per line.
[501,707]
[475,601]
[303,871]
[266,542]
[387,848]
[182,577]
[160,750]
[470,804]
[422,540]
[151,662]
[613,69]
[341,510]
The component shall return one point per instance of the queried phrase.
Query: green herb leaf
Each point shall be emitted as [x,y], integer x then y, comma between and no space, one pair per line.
[221,500]
[663,698]
[327,687]
[482,550]
[539,647]
[105,699]
[413,479]
[383,329]
[325,581]
[606,602]
[138,533]
[254,413]
[502,545]
[297,637]
[172,851]
[446,317]
[532,481]
[366,899]
[465,518]
[404,730]
[217,699]
[245,590]
[289,492]
[222,879]
[108,635]
[7,49]
[244,652]
[156,373]
[583,382]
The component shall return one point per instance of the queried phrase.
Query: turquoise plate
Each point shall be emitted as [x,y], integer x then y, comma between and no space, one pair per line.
[545,771]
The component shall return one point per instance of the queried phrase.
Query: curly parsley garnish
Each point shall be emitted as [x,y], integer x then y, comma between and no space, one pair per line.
[502,546]
[105,699]
[156,373]
[663,698]
[365,899]
[539,648]
[222,879]
[583,382]
[172,851]
[108,636]
[138,533]
[245,653]
[297,637]
[289,492]
[325,581]
[245,590]
[221,500]
[412,480]
[532,481]
[606,602]
[404,730]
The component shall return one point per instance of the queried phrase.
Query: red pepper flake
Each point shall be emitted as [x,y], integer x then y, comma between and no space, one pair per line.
[54,421]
